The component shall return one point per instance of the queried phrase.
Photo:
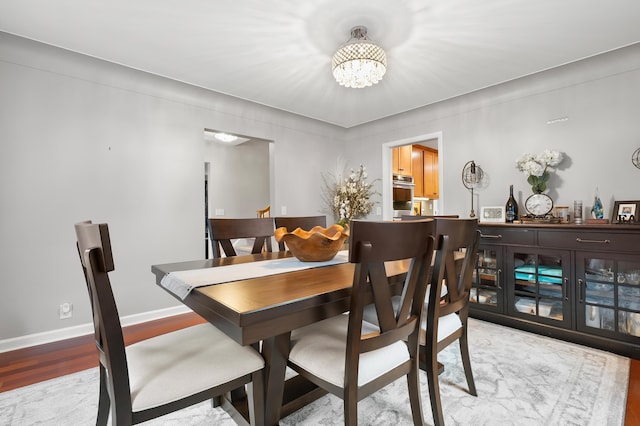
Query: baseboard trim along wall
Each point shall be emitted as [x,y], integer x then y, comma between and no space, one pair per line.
[84,329]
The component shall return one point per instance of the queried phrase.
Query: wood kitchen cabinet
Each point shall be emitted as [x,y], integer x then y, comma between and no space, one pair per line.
[579,283]
[402,160]
[425,172]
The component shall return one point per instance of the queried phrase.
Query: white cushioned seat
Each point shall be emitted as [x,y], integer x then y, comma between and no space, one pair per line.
[320,348]
[447,325]
[207,357]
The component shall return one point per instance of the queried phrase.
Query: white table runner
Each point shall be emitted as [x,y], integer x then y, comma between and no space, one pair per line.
[181,283]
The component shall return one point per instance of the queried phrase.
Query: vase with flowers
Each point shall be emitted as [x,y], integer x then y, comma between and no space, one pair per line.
[536,167]
[348,198]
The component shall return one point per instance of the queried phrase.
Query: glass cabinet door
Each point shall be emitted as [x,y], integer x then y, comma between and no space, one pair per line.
[538,285]
[486,293]
[609,294]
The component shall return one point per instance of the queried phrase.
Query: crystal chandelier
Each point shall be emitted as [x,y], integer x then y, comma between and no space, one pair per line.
[359,63]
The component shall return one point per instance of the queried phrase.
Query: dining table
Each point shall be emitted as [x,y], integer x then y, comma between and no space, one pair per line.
[261,307]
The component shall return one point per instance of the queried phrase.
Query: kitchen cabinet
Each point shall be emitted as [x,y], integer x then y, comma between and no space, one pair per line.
[579,283]
[425,172]
[401,160]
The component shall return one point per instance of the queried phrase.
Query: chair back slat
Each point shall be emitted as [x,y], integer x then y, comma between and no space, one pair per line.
[223,231]
[460,259]
[373,244]
[293,222]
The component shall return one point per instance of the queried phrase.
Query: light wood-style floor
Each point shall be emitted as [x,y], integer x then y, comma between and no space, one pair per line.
[26,366]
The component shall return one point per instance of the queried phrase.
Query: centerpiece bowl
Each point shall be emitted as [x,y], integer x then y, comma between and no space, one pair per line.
[316,245]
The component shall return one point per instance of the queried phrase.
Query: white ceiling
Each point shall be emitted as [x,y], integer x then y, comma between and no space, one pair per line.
[278,52]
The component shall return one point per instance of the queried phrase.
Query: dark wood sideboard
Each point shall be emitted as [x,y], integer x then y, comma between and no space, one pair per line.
[579,283]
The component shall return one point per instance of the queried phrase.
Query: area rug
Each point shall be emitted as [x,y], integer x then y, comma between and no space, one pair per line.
[521,378]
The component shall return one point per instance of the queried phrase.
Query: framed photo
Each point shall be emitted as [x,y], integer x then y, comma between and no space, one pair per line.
[492,214]
[417,208]
[626,212]
[562,213]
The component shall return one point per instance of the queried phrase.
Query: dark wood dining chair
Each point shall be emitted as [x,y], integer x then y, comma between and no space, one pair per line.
[166,373]
[294,222]
[352,358]
[447,312]
[223,231]
[422,217]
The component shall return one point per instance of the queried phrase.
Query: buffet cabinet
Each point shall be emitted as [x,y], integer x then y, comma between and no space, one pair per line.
[579,283]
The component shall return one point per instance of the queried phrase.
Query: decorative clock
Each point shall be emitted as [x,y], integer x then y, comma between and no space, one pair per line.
[539,205]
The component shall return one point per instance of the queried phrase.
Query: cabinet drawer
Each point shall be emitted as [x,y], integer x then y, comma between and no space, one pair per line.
[507,236]
[601,241]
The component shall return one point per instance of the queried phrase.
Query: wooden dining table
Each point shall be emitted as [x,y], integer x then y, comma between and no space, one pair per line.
[263,311]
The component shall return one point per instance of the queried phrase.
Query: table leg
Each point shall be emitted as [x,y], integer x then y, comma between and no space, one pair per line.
[275,351]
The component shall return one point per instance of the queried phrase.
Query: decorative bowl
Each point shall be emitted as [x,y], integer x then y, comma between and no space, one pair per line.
[316,245]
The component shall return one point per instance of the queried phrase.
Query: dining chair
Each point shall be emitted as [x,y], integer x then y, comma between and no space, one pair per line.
[352,358]
[422,217]
[165,373]
[294,222]
[447,312]
[266,212]
[223,231]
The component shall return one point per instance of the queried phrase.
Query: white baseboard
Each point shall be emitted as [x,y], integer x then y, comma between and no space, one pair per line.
[84,329]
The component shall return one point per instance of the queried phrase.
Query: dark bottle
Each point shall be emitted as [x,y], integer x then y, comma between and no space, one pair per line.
[511,208]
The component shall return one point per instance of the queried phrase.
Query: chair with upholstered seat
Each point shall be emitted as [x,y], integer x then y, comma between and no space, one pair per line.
[447,312]
[352,358]
[293,222]
[447,304]
[162,374]
[223,231]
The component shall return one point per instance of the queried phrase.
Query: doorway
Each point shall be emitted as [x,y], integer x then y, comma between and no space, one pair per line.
[238,177]
[387,169]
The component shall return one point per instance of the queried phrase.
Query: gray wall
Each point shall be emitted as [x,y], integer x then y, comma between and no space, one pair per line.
[84,139]
[601,98]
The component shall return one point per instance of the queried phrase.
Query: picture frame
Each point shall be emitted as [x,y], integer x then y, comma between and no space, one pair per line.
[562,213]
[626,212]
[492,214]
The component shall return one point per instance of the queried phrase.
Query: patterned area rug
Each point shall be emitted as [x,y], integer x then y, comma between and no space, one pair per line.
[522,379]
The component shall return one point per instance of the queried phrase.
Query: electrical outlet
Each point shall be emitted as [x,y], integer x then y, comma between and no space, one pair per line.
[219,212]
[66,310]
[379,211]
[283,210]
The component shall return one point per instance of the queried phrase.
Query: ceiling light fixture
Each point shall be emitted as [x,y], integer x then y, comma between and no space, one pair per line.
[225,137]
[359,63]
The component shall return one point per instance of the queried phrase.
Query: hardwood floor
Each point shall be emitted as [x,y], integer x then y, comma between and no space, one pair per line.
[26,366]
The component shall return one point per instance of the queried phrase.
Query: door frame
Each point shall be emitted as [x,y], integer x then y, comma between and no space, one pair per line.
[387,207]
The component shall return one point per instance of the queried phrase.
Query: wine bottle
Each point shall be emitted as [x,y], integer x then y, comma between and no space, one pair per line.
[511,208]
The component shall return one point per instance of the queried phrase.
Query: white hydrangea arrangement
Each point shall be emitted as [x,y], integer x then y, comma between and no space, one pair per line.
[535,167]
[349,198]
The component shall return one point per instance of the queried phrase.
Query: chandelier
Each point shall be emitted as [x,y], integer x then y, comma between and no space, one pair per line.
[359,63]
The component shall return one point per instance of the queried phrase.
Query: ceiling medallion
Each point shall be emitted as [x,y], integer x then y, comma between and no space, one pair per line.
[359,63]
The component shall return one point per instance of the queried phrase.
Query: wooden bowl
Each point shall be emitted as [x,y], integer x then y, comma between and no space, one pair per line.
[316,245]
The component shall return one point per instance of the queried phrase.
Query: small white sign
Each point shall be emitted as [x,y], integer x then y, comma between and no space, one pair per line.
[492,214]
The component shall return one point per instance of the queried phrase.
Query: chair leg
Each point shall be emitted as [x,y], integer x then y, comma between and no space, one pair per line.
[466,363]
[350,403]
[413,382]
[434,389]
[255,398]
[103,401]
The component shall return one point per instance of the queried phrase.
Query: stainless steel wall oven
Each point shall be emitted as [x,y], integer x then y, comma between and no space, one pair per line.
[402,195]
